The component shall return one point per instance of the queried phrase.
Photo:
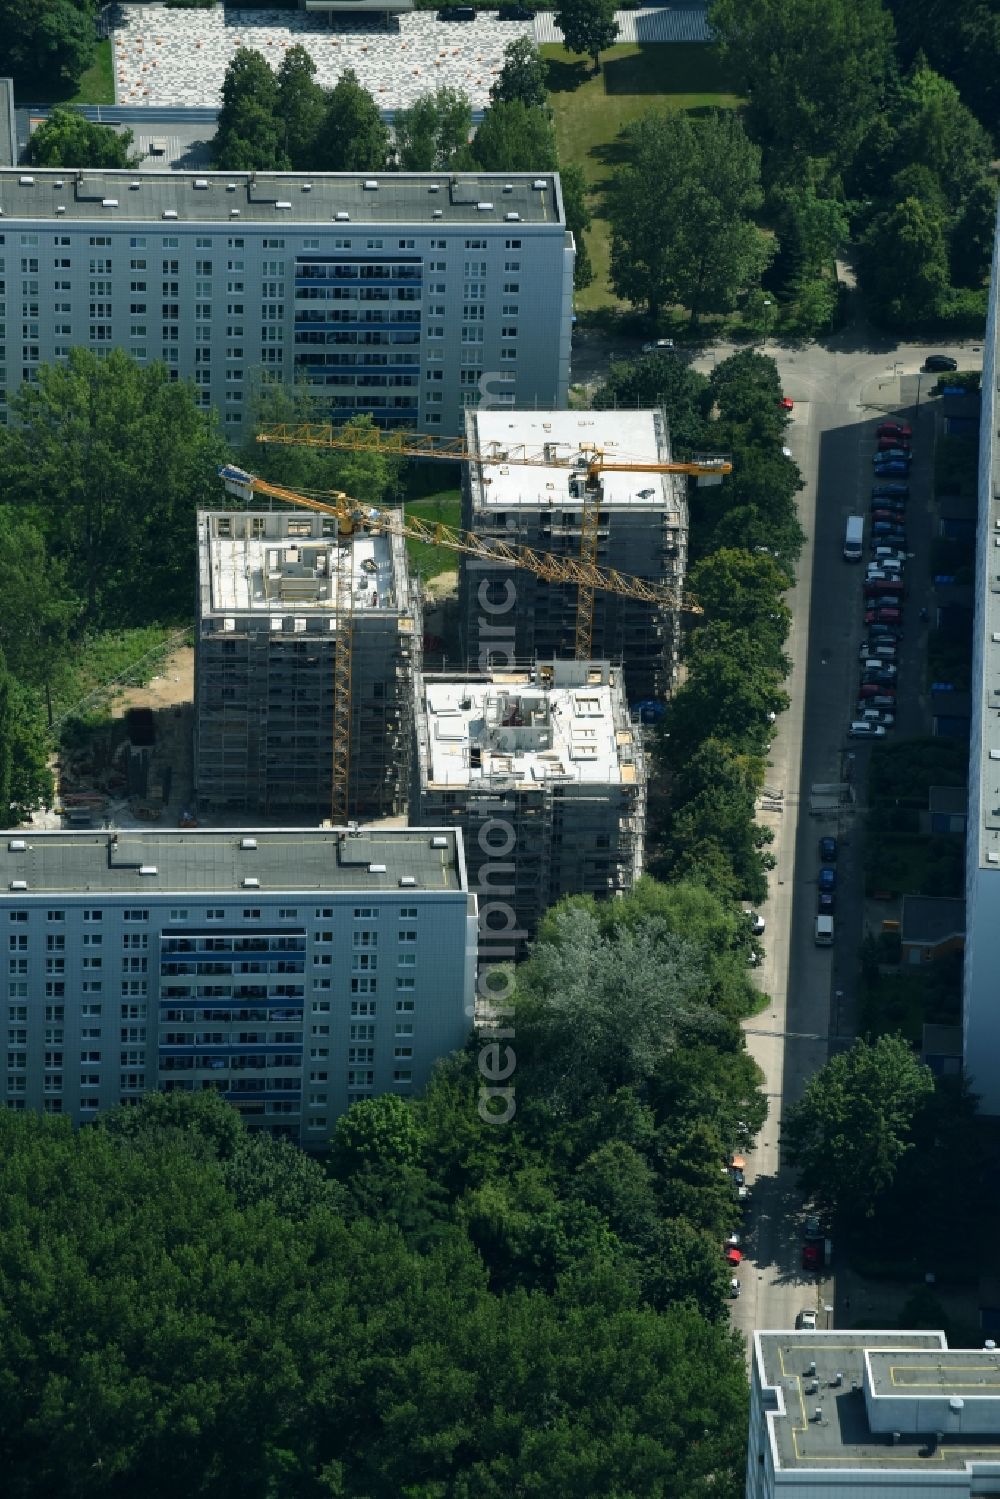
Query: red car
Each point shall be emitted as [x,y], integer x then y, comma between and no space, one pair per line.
[787,404]
[875,689]
[733,1256]
[893,442]
[883,616]
[875,586]
[894,429]
[812,1256]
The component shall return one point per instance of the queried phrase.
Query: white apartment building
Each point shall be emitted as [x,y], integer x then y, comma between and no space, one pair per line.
[410,296]
[981,991]
[295,970]
[876,1415]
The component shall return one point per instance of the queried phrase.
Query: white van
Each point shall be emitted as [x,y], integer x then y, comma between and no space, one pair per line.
[824,931]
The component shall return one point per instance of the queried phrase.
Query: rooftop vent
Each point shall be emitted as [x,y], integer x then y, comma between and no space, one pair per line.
[230,187]
[283,203]
[437,213]
[484,207]
[234,213]
[435,187]
[512,218]
[58,182]
[248,843]
[376,869]
[134,187]
[540,183]
[956,1404]
[251,882]
[993,857]
[439,842]
[307,187]
[109,202]
[147,869]
[342,217]
[371,186]
[201,183]
[995,754]
[169,213]
[26,181]
[508,187]
[406,880]
[19,884]
[16,846]
[59,208]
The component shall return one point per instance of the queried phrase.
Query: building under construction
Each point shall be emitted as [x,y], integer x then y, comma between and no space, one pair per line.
[543,772]
[273,589]
[510,617]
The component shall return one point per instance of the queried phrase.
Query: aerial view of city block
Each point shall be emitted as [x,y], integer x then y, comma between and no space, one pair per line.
[499,525]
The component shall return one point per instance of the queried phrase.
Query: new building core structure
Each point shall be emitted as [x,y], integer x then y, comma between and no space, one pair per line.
[544,774]
[981,994]
[405,295]
[295,971]
[265,648]
[509,616]
[879,1415]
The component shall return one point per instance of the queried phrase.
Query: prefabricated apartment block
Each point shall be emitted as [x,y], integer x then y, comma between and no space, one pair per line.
[510,616]
[294,970]
[402,294]
[264,662]
[544,774]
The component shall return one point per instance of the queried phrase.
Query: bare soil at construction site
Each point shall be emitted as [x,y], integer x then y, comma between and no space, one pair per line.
[173,685]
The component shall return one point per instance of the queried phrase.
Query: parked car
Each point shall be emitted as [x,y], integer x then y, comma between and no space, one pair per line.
[827,878]
[888,533]
[889,504]
[883,615]
[732,1254]
[877,715]
[828,850]
[827,901]
[658,346]
[876,690]
[886,465]
[938,363]
[893,444]
[812,1256]
[885,552]
[787,404]
[515,13]
[886,699]
[889,455]
[893,490]
[885,633]
[881,650]
[757,923]
[862,730]
[806,1320]
[893,429]
[457,13]
[735,1288]
[885,679]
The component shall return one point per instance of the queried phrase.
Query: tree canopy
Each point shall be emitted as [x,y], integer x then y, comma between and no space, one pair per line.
[433,133]
[515,137]
[248,136]
[46,42]
[68,139]
[352,137]
[588,26]
[111,460]
[680,214]
[522,76]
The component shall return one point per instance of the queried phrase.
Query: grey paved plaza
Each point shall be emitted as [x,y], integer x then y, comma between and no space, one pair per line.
[179,57]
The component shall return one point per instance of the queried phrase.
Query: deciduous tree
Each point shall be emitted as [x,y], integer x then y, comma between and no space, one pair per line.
[588,26]
[248,136]
[679,210]
[46,41]
[522,76]
[515,138]
[352,137]
[433,132]
[300,106]
[68,139]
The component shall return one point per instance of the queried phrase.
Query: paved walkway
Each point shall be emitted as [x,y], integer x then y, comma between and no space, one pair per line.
[652,25]
[179,57]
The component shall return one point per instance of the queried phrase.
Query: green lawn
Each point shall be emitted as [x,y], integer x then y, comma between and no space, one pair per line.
[591,110]
[446,507]
[97,84]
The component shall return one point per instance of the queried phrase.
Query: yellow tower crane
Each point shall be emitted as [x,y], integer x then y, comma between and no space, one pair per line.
[352,516]
[593,461]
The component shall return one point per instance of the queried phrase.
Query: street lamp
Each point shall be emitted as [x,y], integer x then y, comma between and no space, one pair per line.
[767,304]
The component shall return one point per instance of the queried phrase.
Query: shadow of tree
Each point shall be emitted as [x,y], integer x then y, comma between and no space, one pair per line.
[566,77]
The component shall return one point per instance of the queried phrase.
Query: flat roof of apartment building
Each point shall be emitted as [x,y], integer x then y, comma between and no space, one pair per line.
[570,437]
[878,1401]
[561,723]
[282,562]
[274,199]
[230,861]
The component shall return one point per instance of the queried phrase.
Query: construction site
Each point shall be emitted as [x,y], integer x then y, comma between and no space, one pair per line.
[600,490]
[277,591]
[549,753]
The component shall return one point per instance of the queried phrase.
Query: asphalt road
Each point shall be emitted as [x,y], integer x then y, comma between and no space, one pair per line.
[840,390]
